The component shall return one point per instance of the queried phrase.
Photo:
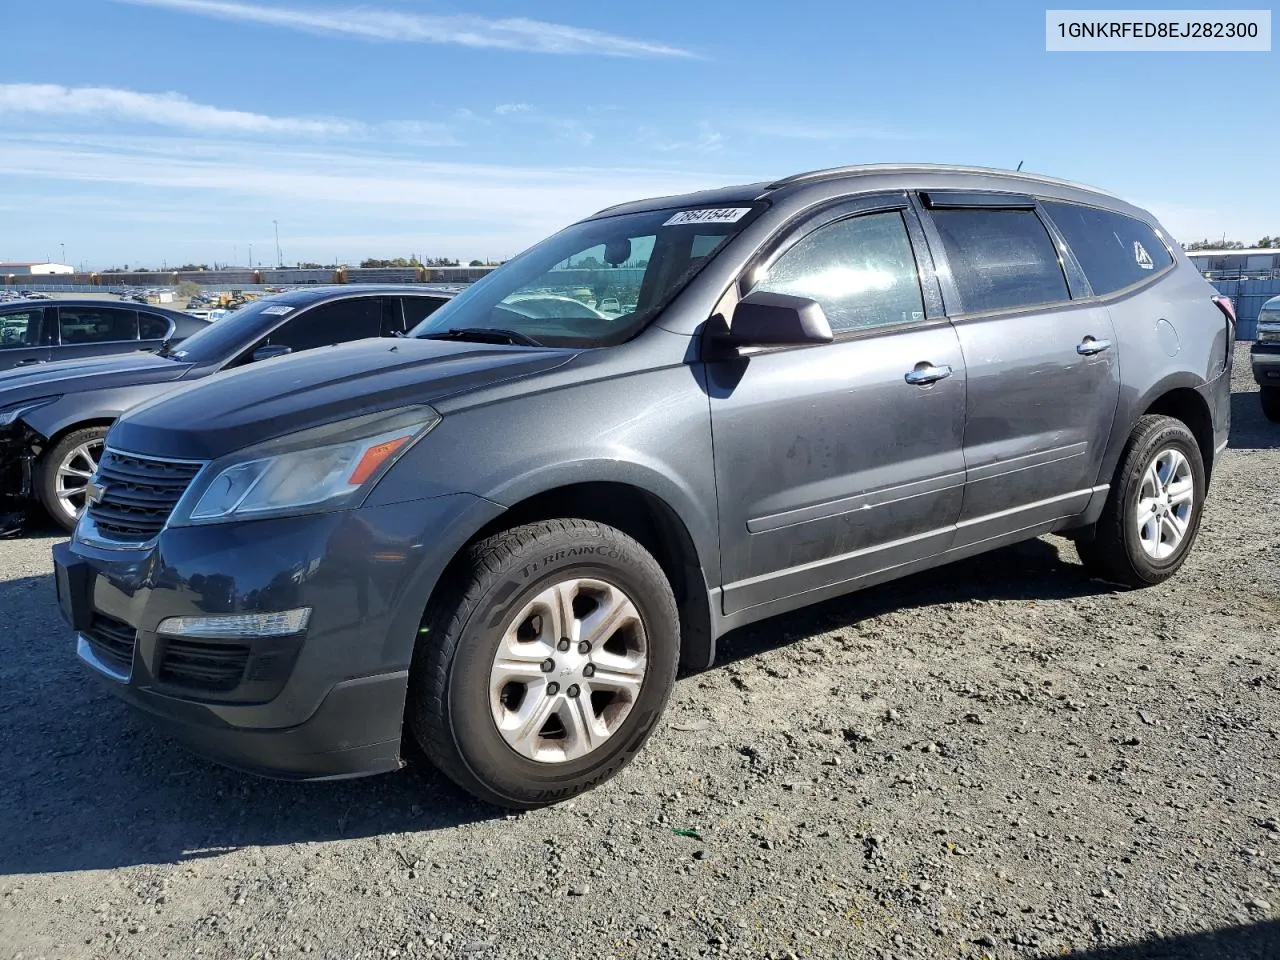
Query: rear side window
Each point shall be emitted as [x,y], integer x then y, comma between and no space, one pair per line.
[1000,259]
[1115,251]
[96,324]
[151,327]
[861,270]
[329,324]
[417,309]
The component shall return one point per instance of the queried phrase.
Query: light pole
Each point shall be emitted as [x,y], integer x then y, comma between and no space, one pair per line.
[64,252]
[279,262]
[251,256]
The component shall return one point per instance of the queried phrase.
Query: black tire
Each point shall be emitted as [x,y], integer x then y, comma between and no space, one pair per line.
[448,707]
[1270,402]
[46,472]
[1115,552]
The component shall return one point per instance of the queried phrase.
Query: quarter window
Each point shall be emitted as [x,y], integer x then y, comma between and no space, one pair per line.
[20,328]
[151,327]
[1000,259]
[861,270]
[329,324]
[96,324]
[1114,251]
[417,309]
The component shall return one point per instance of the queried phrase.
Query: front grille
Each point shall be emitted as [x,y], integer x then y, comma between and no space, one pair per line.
[112,640]
[138,494]
[216,667]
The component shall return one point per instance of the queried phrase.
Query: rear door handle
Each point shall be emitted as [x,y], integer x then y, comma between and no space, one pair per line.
[27,363]
[925,373]
[1089,346]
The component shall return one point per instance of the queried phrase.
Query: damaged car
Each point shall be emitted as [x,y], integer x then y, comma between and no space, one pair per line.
[53,418]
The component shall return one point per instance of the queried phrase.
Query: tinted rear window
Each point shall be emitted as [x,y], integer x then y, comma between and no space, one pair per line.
[1115,251]
[151,327]
[1001,259]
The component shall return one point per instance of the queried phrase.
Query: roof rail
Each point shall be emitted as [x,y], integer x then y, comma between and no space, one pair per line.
[853,170]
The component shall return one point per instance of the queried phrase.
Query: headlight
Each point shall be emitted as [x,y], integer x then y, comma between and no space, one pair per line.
[325,468]
[12,412]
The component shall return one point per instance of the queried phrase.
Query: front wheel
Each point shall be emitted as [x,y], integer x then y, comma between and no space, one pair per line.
[544,662]
[63,473]
[1153,508]
[1270,402]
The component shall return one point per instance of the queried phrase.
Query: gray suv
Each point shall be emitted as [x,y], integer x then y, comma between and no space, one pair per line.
[503,534]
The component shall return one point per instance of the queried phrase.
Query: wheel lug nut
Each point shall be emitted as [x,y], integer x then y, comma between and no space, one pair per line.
[553,688]
[573,690]
[548,665]
[584,647]
[589,670]
[563,645]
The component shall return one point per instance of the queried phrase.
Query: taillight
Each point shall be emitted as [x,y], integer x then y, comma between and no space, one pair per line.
[1227,307]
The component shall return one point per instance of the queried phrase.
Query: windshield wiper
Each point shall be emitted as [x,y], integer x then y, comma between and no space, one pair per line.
[484,335]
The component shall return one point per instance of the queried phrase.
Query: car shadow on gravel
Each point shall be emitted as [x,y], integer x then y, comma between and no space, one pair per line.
[1260,941]
[1031,570]
[1250,430]
[90,785]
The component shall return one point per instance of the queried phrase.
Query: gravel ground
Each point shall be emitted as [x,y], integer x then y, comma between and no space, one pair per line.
[1000,758]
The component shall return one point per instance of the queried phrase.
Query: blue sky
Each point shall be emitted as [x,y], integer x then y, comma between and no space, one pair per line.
[150,131]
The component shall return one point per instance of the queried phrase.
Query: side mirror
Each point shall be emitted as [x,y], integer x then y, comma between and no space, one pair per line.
[271,350]
[763,319]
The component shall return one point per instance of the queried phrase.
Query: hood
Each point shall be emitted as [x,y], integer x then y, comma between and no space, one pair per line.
[92,373]
[232,410]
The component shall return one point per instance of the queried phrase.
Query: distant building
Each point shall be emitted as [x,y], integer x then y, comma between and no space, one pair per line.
[1257,263]
[34,269]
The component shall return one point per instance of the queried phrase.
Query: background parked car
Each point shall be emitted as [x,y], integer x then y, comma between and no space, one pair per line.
[1265,354]
[53,419]
[33,333]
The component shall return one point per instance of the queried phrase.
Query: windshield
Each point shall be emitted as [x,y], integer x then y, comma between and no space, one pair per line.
[230,334]
[594,283]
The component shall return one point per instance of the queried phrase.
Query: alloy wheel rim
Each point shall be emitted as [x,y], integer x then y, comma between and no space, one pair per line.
[568,670]
[1166,501]
[74,473]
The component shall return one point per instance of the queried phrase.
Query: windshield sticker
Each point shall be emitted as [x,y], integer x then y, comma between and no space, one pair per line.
[709,215]
[277,311]
[1144,259]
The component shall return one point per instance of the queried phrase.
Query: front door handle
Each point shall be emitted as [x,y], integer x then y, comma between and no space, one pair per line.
[925,373]
[27,363]
[1089,346]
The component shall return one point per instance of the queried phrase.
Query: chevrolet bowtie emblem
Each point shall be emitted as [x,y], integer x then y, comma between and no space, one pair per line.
[94,492]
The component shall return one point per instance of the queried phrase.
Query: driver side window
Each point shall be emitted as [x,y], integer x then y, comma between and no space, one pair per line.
[861,270]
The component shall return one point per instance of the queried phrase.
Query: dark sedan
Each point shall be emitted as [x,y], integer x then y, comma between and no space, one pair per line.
[53,418]
[41,331]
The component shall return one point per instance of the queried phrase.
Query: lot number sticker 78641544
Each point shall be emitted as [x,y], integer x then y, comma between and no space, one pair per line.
[709,215]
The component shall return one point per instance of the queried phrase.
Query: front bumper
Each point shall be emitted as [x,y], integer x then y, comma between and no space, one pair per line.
[325,703]
[1265,359]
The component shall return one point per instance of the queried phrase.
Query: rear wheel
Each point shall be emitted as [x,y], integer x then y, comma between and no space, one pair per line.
[1153,508]
[544,662]
[1271,402]
[63,474]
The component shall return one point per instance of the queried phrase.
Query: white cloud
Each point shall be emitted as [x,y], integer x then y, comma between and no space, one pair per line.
[164,109]
[511,33]
[566,128]
[177,111]
[406,188]
[707,140]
